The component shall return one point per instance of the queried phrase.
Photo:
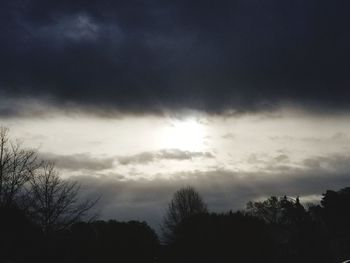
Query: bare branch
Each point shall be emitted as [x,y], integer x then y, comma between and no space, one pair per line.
[54,201]
[17,164]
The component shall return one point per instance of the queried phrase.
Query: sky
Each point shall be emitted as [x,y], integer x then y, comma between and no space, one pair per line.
[241,99]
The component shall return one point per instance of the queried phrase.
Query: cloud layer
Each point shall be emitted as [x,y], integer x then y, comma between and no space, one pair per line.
[168,154]
[78,162]
[150,56]
[223,190]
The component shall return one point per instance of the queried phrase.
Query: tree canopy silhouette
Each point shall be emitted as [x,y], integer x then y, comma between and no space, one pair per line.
[185,203]
[333,216]
[277,210]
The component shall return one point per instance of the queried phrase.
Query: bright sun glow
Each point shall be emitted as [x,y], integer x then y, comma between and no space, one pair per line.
[187,135]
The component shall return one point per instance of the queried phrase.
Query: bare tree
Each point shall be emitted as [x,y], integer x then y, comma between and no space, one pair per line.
[54,202]
[35,186]
[186,202]
[17,165]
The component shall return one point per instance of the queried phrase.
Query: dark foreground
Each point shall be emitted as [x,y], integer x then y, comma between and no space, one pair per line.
[274,230]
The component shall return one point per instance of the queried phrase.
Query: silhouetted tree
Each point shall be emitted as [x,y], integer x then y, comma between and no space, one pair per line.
[334,217]
[277,210]
[185,203]
[269,210]
[17,166]
[54,202]
[296,235]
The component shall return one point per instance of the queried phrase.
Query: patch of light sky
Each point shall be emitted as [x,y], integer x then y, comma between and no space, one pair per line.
[238,143]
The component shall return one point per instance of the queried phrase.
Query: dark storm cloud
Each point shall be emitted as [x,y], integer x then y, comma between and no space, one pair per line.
[168,154]
[147,56]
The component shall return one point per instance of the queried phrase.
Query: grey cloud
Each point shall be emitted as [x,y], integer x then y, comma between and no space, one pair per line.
[340,136]
[77,28]
[284,138]
[141,158]
[228,136]
[327,163]
[221,189]
[168,154]
[331,162]
[77,162]
[337,137]
[268,163]
[282,158]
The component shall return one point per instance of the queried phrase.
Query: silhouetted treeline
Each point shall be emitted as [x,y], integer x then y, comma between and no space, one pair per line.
[278,229]
[98,241]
